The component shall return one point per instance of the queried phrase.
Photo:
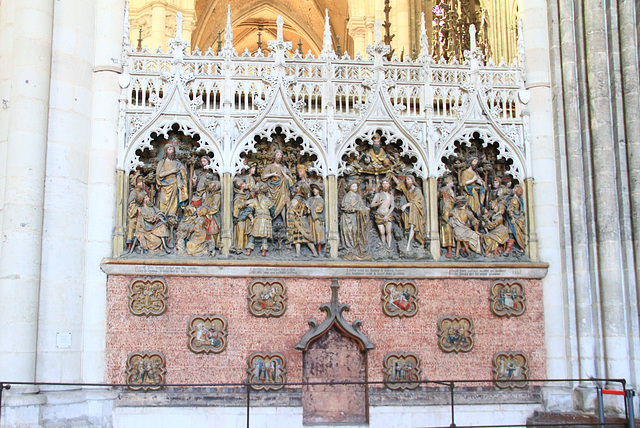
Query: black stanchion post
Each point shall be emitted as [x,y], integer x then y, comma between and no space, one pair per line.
[248,398]
[453,422]
[600,406]
[631,418]
[3,386]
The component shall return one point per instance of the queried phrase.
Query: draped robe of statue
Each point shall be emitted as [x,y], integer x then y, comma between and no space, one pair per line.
[316,218]
[475,191]
[517,220]
[415,216]
[446,230]
[150,228]
[197,243]
[459,220]
[171,178]
[497,233]
[136,200]
[354,226]
[298,228]
[279,186]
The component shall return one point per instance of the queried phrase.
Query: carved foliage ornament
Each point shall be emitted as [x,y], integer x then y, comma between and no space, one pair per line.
[207,334]
[401,371]
[267,371]
[400,299]
[148,296]
[267,299]
[146,371]
[507,298]
[455,334]
[510,370]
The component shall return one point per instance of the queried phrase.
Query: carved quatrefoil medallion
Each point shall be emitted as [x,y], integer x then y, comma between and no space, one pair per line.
[401,371]
[510,370]
[148,297]
[268,371]
[400,299]
[507,298]
[267,299]
[207,334]
[455,334]
[146,371]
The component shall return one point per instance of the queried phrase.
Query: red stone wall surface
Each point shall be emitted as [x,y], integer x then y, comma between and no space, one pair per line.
[189,296]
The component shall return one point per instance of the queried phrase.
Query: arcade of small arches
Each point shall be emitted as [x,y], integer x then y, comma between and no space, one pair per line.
[279,204]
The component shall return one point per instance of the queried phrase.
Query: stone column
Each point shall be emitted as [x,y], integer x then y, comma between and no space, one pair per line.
[532,238]
[607,213]
[226,209]
[158,24]
[545,196]
[572,136]
[24,189]
[65,201]
[430,189]
[105,183]
[631,89]
[331,214]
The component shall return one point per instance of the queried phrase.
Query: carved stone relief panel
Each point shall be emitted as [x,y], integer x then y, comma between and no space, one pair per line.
[401,371]
[146,371]
[148,296]
[507,298]
[267,298]
[481,205]
[400,299]
[510,370]
[267,371]
[207,334]
[455,334]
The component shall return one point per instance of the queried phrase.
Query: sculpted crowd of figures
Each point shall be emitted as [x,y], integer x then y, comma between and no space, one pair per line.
[278,208]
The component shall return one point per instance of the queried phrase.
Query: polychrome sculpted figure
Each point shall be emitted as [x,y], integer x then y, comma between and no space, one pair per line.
[261,225]
[304,181]
[151,228]
[497,233]
[473,185]
[241,221]
[171,178]
[413,212]
[354,225]
[447,203]
[136,200]
[517,220]
[385,202]
[461,220]
[197,245]
[212,201]
[280,182]
[185,228]
[376,160]
[298,228]
[200,181]
[316,217]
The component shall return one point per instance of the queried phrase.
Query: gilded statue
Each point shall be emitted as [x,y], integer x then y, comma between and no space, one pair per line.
[473,186]
[447,203]
[200,181]
[298,227]
[171,179]
[465,227]
[385,204]
[413,212]
[354,225]
[517,220]
[261,225]
[279,183]
[136,200]
[376,160]
[316,217]
[151,228]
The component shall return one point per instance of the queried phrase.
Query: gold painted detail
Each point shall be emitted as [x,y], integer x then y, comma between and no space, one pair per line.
[267,299]
[207,334]
[148,296]
[401,371]
[400,299]
[267,371]
[455,334]
[507,298]
[146,371]
[510,370]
